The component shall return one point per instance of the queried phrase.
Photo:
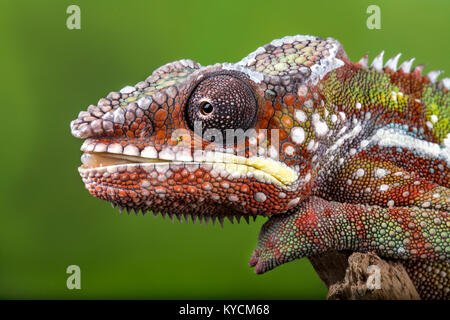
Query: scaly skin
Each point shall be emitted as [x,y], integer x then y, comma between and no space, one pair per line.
[339,155]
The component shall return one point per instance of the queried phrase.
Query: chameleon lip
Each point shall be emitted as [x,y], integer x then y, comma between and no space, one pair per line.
[264,169]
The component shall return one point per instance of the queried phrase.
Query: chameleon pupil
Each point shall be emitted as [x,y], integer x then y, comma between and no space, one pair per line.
[206,108]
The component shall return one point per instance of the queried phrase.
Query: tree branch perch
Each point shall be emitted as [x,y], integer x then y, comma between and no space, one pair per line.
[346,275]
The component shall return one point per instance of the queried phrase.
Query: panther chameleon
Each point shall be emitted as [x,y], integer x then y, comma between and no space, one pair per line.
[338,155]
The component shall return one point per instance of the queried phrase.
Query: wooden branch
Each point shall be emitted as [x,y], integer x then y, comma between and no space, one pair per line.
[346,275]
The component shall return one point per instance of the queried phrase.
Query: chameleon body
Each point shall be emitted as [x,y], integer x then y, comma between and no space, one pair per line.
[339,155]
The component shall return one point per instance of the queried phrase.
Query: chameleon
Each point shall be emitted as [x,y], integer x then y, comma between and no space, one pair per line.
[337,155]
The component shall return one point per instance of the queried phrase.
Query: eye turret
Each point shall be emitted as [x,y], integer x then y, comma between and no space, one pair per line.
[222,102]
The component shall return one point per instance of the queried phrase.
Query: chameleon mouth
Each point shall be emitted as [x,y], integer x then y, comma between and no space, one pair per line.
[265,170]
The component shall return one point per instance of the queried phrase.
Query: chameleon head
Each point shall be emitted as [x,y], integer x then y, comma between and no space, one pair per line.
[222,140]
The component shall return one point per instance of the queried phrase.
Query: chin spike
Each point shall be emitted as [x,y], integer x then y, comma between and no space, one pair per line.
[364,61]
[113,204]
[221,221]
[406,65]
[238,219]
[120,208]
[392,62]
[179,217]
[155,214]
[231,219]
[129,209]
[433,75]
[207,218]
[247,219]
[213,220]
[377,63]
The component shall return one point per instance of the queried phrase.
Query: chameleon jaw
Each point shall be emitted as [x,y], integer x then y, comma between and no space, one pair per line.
[172,181]
[264,170]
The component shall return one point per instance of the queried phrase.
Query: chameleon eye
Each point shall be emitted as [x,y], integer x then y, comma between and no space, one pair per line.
[206,108]
[222,102]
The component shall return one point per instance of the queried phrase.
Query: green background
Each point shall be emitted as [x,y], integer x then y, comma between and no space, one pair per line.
[49,73]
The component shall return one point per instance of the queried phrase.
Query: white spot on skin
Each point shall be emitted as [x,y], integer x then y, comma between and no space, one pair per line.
[364,143]
[434,118]
[289,151]
[381,173]
[333,118]
[309,104]
[307,177]
[391,203]
[358,105]
[316,145]
[300,116]
[302,90]
[384,187]
[293,202]
[360,172]
[127,90]
[233,198]
[426,204]
[260,197]
[310,145]
[298,135]
[320,126]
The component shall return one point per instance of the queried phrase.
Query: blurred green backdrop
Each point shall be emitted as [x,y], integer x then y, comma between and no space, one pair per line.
[49,73]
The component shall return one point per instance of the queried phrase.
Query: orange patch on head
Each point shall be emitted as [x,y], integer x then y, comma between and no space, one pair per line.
[289,99]
[287,121]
